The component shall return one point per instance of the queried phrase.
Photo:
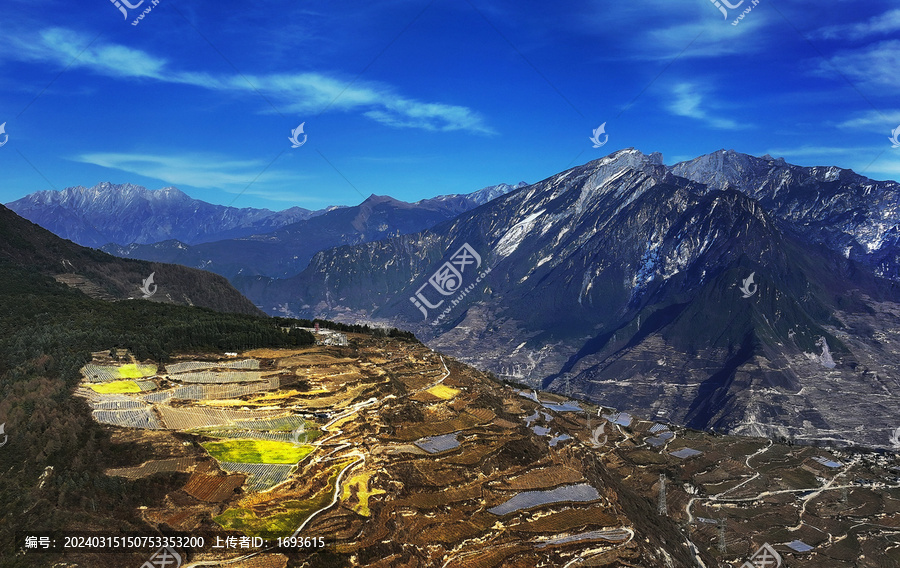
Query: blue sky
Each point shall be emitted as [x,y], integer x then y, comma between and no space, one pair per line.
[419,98]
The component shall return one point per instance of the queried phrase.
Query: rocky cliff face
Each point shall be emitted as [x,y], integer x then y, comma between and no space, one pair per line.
[702,300]
[848,213]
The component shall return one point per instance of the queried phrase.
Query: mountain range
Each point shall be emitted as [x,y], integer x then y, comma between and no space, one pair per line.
[850,214]
[729,292]
[125,213]
[287,250]
[660,293]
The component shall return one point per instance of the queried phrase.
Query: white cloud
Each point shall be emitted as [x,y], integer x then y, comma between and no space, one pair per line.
[688,100]
[297,92]
[704,39]
[64,47]
[874,120]
[661,30]
[809,151]
[875,162]
[875,65]
[886,23]
[197,170]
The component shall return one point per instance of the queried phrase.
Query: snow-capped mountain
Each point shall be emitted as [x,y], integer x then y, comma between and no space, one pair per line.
[848,213]
[647,291]
[126,213]
[468,201]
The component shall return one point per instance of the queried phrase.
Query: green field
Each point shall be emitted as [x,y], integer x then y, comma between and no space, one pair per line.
[257,451]
[280,425]
[116,387]
[284,523]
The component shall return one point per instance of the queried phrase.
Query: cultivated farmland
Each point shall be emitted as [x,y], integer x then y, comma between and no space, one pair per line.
[399,456]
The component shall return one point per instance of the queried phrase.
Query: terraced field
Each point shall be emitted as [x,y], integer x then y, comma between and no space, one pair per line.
[257,451]
[115,387]
[256,516]
[401,457]
[186,366]
[104,373]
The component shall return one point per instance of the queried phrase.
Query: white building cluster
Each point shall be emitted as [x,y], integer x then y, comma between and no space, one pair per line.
[327,336]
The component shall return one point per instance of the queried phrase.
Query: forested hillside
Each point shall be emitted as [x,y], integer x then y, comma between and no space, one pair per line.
[47,332]
[103,276]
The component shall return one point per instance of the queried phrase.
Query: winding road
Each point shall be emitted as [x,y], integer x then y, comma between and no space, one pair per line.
[360,457]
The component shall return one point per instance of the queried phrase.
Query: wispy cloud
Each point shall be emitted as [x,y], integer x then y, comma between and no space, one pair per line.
[197,170]
[688,100]
[294,92]
[875,65]
[873,120]
[662,29]
[876,162]
[812,151]
[886,23]
[705,38]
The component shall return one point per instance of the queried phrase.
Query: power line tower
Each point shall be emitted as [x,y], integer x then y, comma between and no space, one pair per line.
[663,509]
[722,546]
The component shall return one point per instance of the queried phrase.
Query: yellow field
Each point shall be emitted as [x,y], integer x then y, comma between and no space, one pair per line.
[361,482]
[224,402]
[443,392]
[132,371]
[274,395]
[257,451]
[116,387]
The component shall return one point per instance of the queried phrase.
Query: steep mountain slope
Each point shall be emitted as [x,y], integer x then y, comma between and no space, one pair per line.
[849,213]
[624,282]
[100,275]
[126,213]
[287,251]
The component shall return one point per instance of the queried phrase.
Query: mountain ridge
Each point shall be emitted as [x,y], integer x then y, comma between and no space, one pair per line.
[287,250]
[627,256]
[103,276]
[127,213]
